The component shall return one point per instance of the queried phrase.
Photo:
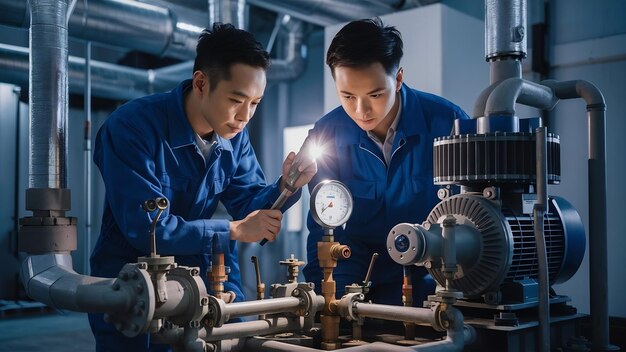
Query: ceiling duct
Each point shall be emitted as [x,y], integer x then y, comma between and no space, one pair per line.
[330,12]
[123,23]
[107,79]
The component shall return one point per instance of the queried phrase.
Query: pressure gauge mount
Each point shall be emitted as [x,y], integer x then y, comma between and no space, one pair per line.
[331,203]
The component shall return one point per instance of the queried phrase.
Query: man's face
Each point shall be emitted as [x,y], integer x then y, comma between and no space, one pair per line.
[230,105]
[368,94]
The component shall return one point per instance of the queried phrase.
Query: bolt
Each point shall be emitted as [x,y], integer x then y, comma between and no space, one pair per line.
[139,288]
[124,275]
[134,275]
[141,304]
[116,286]
[295,292]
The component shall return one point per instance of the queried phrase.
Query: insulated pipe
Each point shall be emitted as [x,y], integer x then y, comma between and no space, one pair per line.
[596,167]
[49,278]
[266,306]
[502,99]
[106,79]
[293,55]
[48,94]
[322,12]
[124,23]
[539,210]
[228,11]
[505,28]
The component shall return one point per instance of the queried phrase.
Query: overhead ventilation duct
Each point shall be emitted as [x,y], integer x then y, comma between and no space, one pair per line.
[124,23]
[330,12]
[107,80]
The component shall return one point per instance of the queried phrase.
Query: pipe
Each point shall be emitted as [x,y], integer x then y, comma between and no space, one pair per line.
[228,11]
[105,78]
[502,99]
[87,155]
[598,272]
[542,257]
[124,23]
[395,313]
[505,28]
[293,53]
[321,12]
[48,94]
[266,306]
[268,326]
[499,70]
[49,278]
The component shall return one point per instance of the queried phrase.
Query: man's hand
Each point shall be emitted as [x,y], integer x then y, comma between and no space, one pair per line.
[256,226]
[308,169]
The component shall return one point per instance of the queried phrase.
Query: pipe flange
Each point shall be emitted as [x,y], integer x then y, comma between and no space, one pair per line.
[134,278]
[305,293]
[215,317]
[189,278]
[347,306]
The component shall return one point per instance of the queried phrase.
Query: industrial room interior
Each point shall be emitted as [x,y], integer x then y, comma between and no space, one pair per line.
[119,50]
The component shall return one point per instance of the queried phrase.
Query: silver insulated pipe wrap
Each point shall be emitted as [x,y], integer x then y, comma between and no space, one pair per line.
[505,28]
[48,94]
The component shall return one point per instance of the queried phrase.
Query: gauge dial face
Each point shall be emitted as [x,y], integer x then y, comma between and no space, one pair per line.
[331,203]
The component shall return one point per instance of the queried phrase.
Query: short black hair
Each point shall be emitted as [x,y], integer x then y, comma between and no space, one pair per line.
[364,42]
[223,46]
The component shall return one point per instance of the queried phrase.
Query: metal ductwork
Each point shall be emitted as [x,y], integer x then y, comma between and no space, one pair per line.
[330,12]
[106,79]
[293,53]
[233,12]
[48,94]
[124,23]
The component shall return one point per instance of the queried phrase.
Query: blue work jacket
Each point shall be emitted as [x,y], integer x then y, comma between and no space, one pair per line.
[384,195]
[147,149]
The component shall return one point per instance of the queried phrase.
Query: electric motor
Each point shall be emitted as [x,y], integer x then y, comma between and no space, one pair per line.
[495,244]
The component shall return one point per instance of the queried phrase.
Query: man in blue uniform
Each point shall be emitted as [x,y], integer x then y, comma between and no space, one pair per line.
[189,145]
[379,143]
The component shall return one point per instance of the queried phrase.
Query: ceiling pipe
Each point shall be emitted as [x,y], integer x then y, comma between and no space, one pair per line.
[123,23]
[228,11]
[106,78]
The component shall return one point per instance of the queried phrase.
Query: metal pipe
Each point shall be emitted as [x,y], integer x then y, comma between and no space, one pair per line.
[253,328]
[49,278]
[596,167]
[499,70]
[395,313]
[505,28]
[542,257]
[177,300]
[228,11]
[105,78]
[124,23]
[48,94]
[266,306]
[87,155]
[502,99]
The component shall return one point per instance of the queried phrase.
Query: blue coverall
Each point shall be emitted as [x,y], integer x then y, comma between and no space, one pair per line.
[384,195]
[147,149]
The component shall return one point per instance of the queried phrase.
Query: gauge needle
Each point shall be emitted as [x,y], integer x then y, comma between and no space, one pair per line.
[330,205]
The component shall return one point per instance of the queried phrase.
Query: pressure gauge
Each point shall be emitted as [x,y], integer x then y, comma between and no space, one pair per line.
[331,203]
